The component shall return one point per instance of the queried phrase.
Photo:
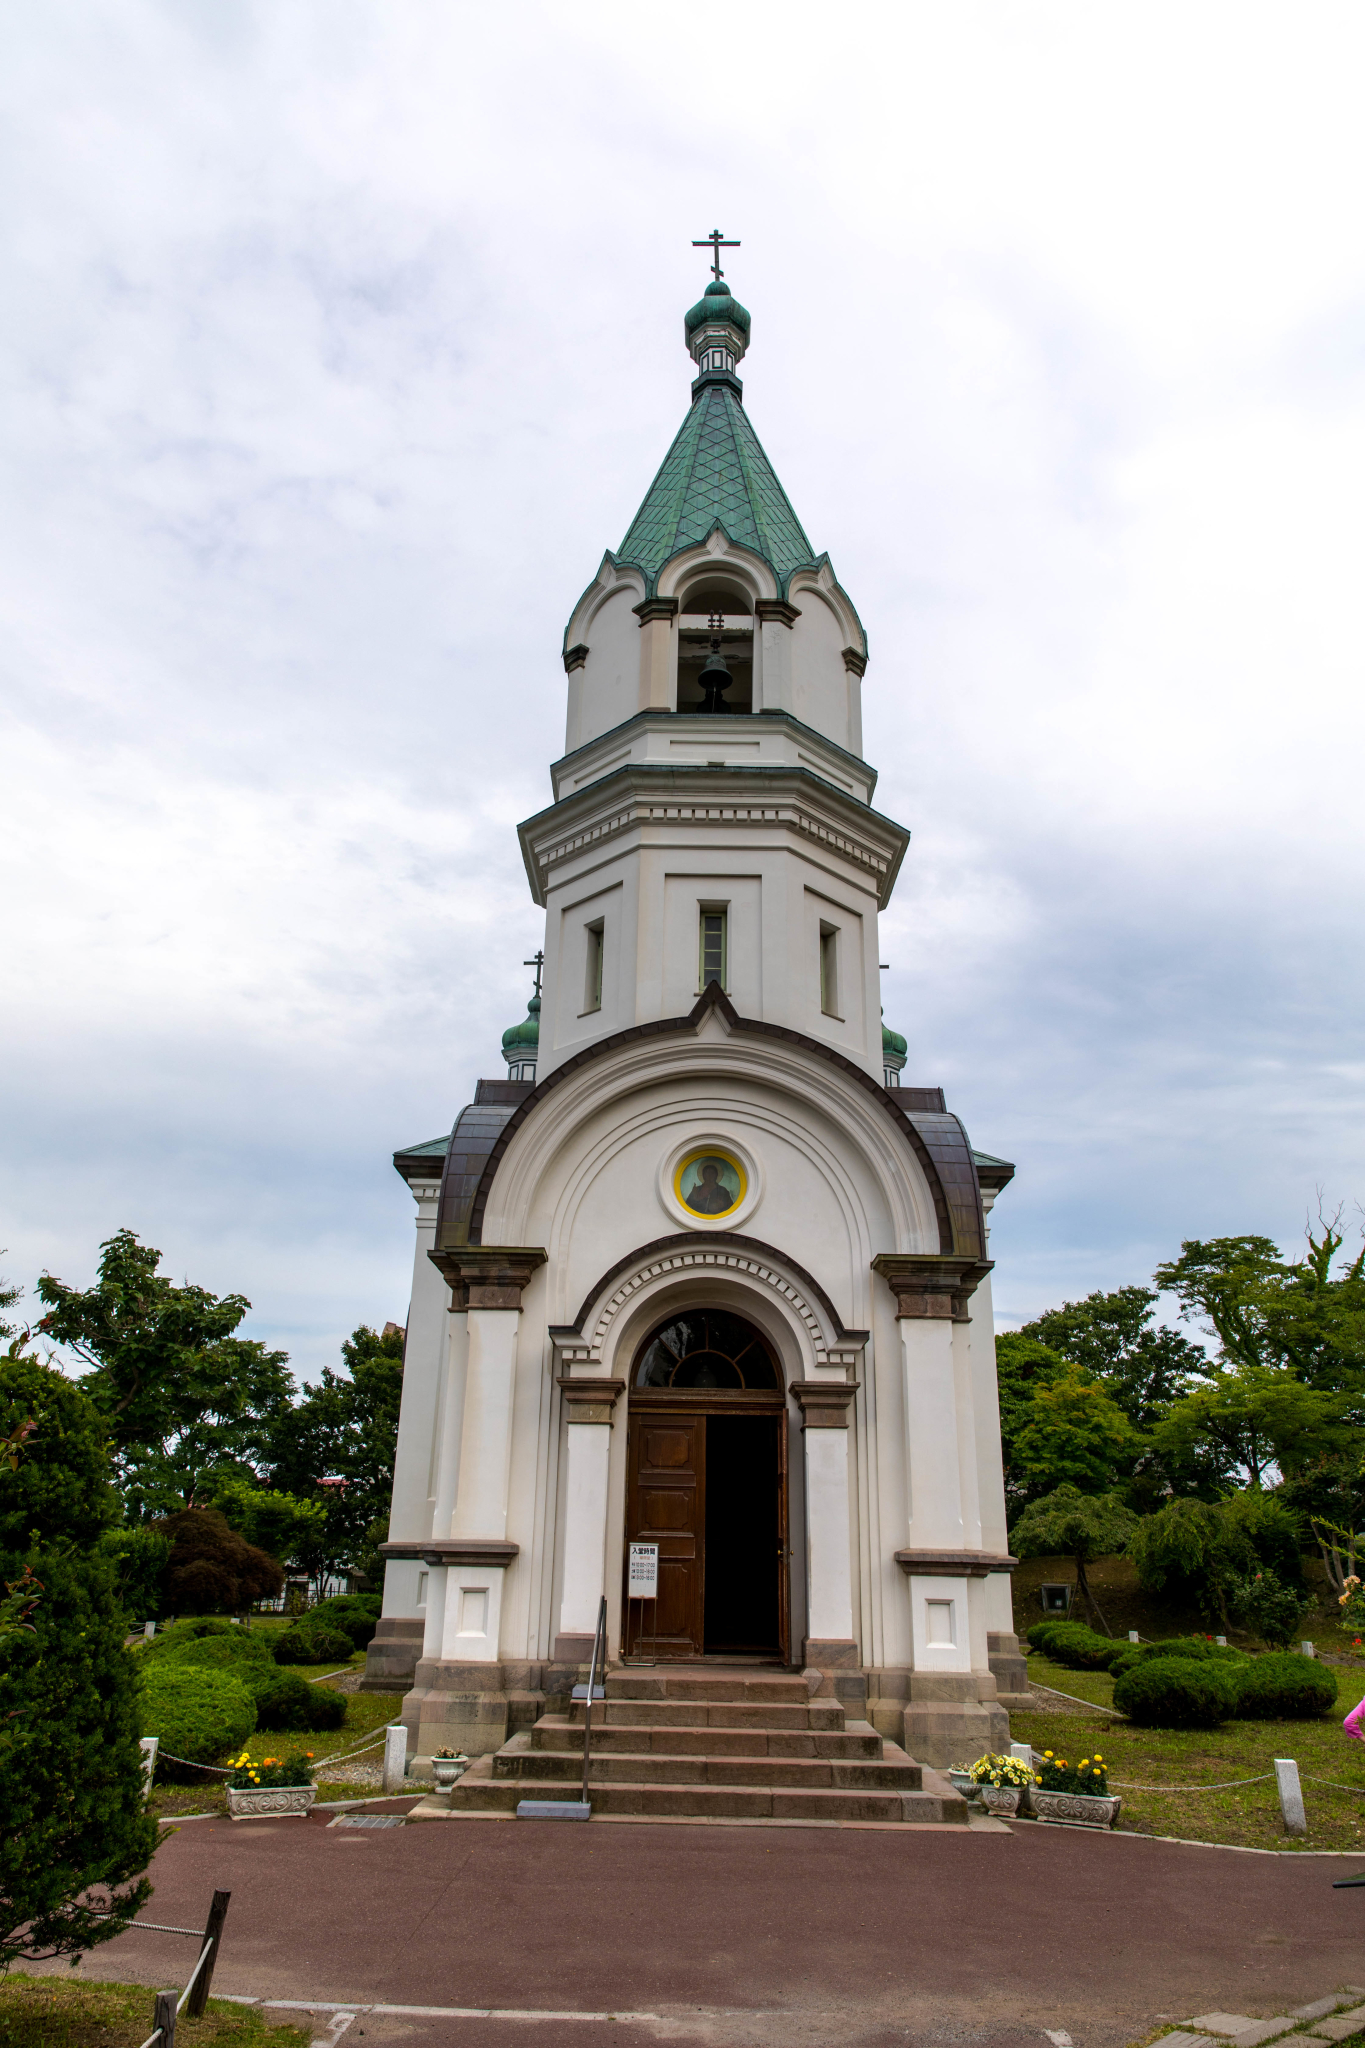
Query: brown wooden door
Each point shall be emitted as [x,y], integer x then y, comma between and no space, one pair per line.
[667,1506]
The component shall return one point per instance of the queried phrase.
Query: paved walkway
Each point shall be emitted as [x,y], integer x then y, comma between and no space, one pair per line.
[747,1935]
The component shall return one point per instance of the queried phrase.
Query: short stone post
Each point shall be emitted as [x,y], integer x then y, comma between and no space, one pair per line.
[395,1757]
[148,1630]
[149,1746]
[1306,1650]
[1023,1751]
[1133,1636]
[1221,1642]
[1291,1796]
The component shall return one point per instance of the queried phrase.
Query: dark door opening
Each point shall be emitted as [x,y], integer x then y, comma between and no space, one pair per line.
[743,1551]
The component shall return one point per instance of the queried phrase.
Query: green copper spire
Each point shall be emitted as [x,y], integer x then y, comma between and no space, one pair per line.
[716,473]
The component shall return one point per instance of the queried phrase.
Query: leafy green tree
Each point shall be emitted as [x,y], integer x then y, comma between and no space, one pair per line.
[1081,1526]
[336,1446]
[1141,1366]
[139,1557]
[1074,1435]
[181,1397]
[1300,1317]
[211,1570]
[279,1523]
[1253,1422]
[1270,1607]
[1022,1365]
[76,1835]
[1194,1548]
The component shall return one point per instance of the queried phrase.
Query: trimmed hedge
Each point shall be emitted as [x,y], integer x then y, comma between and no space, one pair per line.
[191,1631]
[199,1715]
[305,1645]
[1197,1648]
[1072,1644]
[1285,1687]
[237,1652]
[286,1700]
[1177,1692]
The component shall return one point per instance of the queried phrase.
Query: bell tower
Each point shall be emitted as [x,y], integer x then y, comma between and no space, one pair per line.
[713,817]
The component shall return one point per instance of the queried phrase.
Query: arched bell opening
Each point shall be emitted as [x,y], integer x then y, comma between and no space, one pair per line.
[715,649]
[707,1483]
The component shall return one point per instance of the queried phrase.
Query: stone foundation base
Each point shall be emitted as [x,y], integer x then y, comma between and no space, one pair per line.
[477,1707]
[391,1659]
[940,1718]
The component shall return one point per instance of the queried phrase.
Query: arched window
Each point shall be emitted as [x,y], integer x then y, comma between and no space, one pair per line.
[711,614]
[707,1348]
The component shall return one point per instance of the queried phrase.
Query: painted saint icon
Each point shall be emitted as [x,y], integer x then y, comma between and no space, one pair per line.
[710,1184]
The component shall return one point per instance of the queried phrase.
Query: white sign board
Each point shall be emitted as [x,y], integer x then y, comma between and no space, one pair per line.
[642,1580]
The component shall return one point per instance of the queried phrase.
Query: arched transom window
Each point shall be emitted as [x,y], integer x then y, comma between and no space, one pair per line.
[708,1347]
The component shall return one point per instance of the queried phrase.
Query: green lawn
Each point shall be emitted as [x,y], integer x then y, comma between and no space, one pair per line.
[54,2012]
[1247,1815]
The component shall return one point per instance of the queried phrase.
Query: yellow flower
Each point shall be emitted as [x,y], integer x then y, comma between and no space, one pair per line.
[1084,1761]
[1047,1752]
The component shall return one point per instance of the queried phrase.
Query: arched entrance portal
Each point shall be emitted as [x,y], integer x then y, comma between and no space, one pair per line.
[708,1484]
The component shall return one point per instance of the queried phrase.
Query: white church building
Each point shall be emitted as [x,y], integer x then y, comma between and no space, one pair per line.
[700,1271]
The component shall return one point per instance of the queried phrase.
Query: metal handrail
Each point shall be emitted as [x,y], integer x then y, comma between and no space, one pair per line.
[599,1643]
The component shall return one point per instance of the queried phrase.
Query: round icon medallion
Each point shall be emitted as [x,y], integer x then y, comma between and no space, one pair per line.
[709,1182]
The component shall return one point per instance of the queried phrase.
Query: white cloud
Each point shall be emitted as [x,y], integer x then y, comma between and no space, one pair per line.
[344,342]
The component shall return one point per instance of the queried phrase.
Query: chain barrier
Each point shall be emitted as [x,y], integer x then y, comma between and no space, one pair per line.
[1334,1782]
[1224,1785]
[225,1771]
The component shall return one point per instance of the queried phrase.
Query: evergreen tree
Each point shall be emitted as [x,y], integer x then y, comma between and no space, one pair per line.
[76,1835]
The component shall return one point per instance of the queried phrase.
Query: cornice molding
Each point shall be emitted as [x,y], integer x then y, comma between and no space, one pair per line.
[929,1286]
[487,1276]
[824,1404]
[773,612]
[475,1550]
[757,796]
[954,1564]
[589,1398]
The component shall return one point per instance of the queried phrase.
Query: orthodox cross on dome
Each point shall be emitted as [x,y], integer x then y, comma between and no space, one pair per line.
[715,242]
[537,960]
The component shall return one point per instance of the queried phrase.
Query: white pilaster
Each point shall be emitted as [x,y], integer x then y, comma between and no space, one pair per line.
[587,1461]
[486,1435]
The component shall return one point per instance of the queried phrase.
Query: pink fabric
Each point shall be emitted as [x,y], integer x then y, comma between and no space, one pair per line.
[1354,1724]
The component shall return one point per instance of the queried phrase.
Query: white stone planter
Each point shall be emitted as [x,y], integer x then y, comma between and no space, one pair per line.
[1076,1807]
[248,1802]
[446,1769]
[1000,1798]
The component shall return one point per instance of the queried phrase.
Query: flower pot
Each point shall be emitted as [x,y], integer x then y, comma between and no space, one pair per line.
[446,1769]
[1081,1808]
[1000,1798]
[963,1782]
[248,1802]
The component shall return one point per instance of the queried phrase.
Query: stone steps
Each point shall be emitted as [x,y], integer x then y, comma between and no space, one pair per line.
[661,1768]
[559,1732]
[702,1744]
[479,1791]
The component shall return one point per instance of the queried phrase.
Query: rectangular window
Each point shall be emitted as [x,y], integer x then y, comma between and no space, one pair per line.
[592,987]
[829,970]
[714,964]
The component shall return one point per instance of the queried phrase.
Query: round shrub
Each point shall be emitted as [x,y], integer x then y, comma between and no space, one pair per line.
[177,1632]
[283,1699]
[1284,1688]
[1081,1649]
[348,1613]
[305,1645]
[236,1652]
[1042,1632]
[1177,1692]
[199,1715]
[326,1709]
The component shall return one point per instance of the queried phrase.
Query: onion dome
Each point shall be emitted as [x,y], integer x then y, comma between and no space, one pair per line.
[716,303]
[521,1044]
[894,1050]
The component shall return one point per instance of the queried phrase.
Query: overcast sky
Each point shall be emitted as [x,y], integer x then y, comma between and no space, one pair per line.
[343,339]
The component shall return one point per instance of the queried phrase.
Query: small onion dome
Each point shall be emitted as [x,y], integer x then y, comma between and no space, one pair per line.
[891,1041]
[522,1040]
[716,303]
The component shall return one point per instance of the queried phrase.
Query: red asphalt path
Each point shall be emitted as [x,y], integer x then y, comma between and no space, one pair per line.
[739,1935]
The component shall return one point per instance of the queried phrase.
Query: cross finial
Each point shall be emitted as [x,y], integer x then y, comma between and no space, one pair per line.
[537,960]
[715,242]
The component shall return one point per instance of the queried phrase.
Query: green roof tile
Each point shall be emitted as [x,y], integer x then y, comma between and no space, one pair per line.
[716,474]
